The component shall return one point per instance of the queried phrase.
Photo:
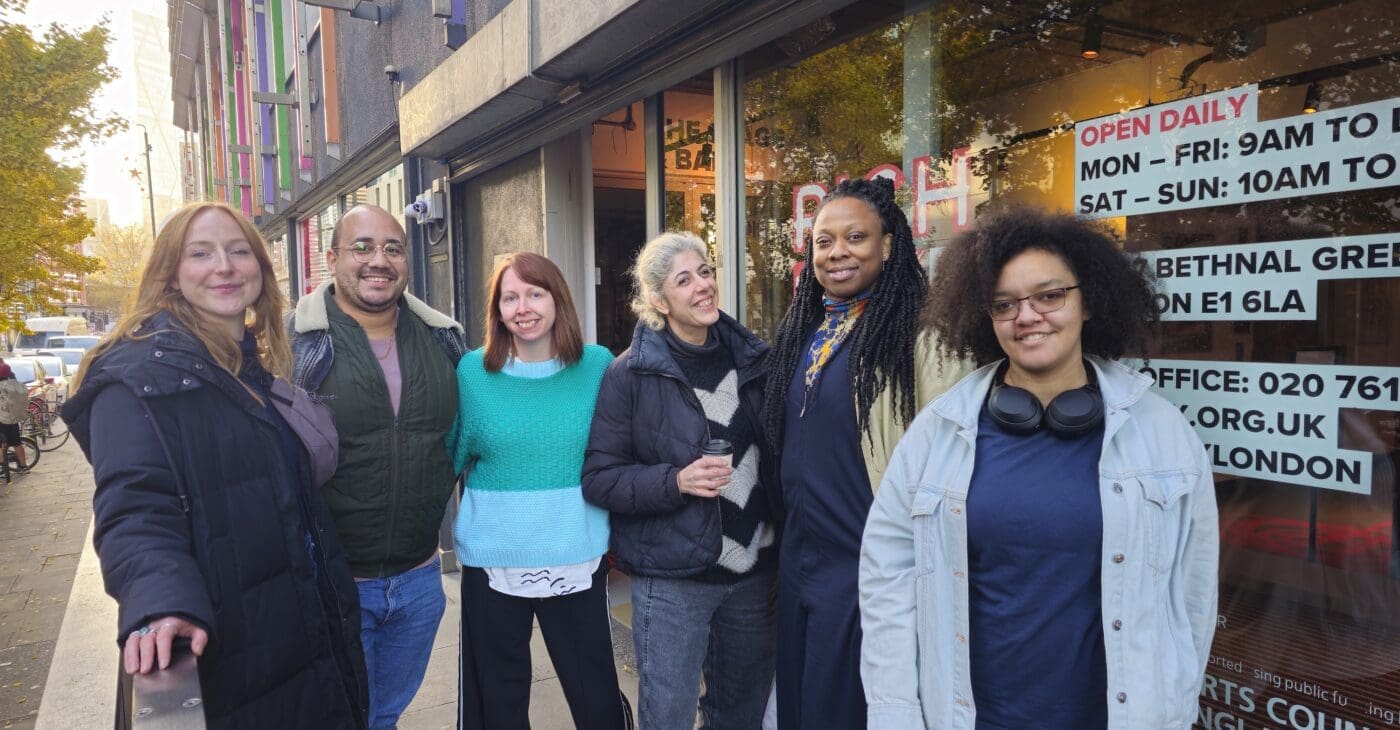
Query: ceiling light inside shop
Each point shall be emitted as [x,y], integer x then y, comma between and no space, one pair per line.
[1313,99]
[1093,37]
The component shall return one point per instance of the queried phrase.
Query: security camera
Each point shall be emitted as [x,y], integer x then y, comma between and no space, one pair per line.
[417,210]
[392,72]
[428,207]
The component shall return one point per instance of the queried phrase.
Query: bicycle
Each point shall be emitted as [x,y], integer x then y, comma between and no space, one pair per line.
[44,425]
[33,415]
[10,464]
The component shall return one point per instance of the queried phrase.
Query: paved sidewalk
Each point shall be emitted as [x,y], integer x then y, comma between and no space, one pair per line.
[57,622]
[44,518]
[435,706]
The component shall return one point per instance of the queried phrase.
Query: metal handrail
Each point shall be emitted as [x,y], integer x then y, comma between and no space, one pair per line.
[165,698]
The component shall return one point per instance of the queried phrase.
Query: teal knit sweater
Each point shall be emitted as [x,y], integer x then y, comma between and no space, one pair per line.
[524,440]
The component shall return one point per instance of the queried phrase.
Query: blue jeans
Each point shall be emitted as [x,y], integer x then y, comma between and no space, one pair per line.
[399,618]
[684,628]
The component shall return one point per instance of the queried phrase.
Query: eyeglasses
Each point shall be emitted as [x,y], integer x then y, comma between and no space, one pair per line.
[1043,302]
[364,252]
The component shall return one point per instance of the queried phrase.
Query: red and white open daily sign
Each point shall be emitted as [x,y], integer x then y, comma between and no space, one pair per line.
[1211,150]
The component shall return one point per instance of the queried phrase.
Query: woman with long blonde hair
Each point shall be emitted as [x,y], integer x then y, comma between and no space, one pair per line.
[207,521]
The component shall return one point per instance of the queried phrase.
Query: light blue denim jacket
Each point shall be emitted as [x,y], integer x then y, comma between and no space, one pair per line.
[1159,562]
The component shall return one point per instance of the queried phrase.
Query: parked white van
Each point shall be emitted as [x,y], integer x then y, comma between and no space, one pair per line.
[45,328]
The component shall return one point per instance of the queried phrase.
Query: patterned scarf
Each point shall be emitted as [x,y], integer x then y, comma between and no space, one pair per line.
[841,318]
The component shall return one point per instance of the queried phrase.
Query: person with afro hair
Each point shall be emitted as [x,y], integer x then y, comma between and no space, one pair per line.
[1044,549]
[847,373]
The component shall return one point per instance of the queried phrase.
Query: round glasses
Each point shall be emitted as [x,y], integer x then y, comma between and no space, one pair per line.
[1043,302]
[364,252]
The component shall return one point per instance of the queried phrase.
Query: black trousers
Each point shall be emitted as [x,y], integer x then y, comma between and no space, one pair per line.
[495,655]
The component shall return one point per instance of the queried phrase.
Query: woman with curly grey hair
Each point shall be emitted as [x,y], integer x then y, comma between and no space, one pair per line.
[1044,546]
[677,454]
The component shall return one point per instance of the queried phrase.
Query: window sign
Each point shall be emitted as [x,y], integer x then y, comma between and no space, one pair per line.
[941,192]
[1265,281]
[1212,150]
[1278,421]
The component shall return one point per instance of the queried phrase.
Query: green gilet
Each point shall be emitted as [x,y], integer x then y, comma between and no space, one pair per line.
[394,477]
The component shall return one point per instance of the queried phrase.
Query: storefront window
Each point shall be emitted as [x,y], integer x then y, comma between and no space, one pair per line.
[687,157]
[277,251]
[688,154]
[316,234]
[809,123]
[386,190]
[1248,151]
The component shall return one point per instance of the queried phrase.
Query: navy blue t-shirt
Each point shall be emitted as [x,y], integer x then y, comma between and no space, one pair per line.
[825,484]
[1034,540]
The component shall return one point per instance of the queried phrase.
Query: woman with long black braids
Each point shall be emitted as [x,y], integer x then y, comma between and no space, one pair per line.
[847,373]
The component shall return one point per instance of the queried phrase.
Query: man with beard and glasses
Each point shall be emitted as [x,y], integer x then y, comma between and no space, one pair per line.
[385,363]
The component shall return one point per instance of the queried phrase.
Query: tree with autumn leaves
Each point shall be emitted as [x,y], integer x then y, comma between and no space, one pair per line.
[123,251]
[46,114]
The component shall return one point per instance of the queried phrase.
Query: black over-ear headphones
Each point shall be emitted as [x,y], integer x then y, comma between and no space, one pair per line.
[1071,414]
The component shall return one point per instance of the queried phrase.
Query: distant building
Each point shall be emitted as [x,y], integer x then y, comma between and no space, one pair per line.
[98,210]
[150,72]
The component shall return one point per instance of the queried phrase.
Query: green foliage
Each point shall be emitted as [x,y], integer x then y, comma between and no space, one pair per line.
[843,106]
[48,85]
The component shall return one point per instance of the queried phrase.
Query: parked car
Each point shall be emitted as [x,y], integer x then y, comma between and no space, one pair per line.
[77,342]
[36,379]
[71,356]
[59,374]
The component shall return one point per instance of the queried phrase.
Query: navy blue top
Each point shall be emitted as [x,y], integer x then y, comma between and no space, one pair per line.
[825,485]
[1034,537]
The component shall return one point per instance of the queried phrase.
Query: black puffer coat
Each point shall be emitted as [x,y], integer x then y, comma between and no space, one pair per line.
[647,426]
[199,514]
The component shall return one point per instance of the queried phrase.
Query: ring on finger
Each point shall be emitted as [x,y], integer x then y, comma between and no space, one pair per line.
[144,630]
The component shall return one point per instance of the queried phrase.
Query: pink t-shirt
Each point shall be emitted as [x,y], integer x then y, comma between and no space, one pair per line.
[393,377]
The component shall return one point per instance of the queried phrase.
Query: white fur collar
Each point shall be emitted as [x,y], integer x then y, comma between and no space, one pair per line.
[311,312]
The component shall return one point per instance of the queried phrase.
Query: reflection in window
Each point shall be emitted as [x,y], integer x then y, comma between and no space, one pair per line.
[688,157]
[806,122]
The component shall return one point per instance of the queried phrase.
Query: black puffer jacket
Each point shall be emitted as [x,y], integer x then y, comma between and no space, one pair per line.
[199,514]
[647,426]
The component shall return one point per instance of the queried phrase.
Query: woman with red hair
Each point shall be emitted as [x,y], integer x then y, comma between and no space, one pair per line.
[207,519]
[530,547]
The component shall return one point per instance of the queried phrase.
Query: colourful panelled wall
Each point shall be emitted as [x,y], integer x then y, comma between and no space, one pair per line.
[254,152]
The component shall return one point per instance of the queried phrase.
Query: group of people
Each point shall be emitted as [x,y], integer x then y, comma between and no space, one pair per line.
[853,516]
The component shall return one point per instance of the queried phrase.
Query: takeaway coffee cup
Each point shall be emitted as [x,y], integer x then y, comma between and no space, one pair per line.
[717,447]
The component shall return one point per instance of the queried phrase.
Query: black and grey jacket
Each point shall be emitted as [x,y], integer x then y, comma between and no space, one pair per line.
[649,424]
